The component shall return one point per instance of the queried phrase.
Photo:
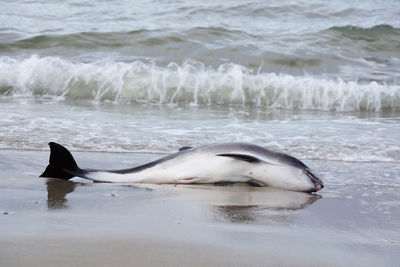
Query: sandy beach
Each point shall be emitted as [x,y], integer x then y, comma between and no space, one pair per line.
[50,222]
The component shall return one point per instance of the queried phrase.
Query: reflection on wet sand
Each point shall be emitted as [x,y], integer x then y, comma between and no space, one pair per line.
[251,214]
[278,211]
[57,190]
[238,195]
[233,203]
[242,204]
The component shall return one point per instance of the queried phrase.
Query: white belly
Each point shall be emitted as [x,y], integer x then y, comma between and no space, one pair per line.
[199,168]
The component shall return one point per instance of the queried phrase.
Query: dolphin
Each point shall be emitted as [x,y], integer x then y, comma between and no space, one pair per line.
[215,163]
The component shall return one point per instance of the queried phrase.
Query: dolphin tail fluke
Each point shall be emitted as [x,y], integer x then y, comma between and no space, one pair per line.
[61,163]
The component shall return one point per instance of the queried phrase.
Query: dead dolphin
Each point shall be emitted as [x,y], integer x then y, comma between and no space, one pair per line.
[216,163]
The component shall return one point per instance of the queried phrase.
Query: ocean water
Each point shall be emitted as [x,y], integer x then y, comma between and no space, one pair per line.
[318,80]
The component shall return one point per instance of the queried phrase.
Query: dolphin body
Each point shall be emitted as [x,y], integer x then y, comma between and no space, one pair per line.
[217,163]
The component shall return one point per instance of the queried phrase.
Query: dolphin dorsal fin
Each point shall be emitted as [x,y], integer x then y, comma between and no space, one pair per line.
[242,157]
[185,148]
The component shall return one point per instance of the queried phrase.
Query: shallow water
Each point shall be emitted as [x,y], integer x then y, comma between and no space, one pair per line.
[348,137]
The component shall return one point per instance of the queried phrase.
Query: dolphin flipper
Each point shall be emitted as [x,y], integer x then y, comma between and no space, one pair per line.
[243,157]
[255,183]
[185,148]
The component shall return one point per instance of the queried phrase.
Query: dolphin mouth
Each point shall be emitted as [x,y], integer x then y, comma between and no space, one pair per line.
[318,183]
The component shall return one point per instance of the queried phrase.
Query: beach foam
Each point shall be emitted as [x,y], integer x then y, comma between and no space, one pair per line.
[191,83]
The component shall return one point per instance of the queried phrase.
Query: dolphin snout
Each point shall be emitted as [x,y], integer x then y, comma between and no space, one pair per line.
[318,183]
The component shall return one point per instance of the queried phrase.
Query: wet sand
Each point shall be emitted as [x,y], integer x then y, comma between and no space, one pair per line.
[49,222]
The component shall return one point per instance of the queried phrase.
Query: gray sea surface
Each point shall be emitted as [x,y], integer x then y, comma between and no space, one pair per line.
[314,55]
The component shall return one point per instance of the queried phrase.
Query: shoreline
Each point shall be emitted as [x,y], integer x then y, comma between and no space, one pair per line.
[51,221]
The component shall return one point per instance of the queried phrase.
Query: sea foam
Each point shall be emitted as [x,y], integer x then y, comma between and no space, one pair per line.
[190,83]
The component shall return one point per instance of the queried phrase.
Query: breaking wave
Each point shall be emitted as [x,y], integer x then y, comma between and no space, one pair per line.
[372,33]
[379,38]
[191,83]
